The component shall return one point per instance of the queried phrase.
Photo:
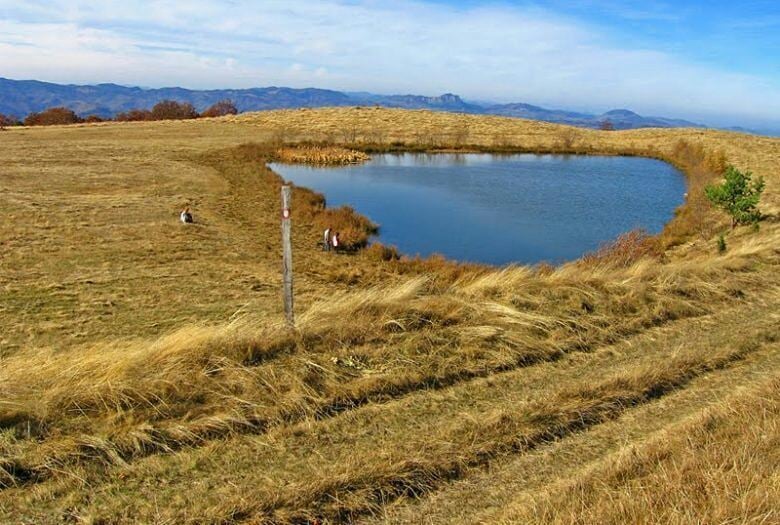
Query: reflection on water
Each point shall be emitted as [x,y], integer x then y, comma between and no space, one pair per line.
[501,209]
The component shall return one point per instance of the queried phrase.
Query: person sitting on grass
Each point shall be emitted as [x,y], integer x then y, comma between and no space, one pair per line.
[186,216]
[326,240]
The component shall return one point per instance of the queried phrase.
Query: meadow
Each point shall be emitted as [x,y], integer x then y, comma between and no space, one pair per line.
[147,375]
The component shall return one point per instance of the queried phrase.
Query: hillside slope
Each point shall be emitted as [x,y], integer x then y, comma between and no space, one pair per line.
[147,375]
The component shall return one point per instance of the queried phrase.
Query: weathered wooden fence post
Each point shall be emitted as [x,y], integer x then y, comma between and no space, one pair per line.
[287,269]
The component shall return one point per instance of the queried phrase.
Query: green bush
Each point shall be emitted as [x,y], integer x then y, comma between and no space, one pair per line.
[738,196]
[721,244]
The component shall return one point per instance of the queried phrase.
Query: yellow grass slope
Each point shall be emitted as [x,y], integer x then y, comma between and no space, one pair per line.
[146,374]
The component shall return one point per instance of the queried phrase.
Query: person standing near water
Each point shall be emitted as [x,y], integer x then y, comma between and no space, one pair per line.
[336,242]
[326,240]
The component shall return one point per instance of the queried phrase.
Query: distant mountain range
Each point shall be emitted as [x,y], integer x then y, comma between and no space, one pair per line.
[21,97]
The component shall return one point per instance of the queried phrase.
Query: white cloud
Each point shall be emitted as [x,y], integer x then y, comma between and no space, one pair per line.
[489,52]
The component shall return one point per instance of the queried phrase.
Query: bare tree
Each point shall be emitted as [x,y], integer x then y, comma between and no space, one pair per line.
[172,110]
[220,109]
[350,134]
[567,137]
[7,121]
[607,125]
[134,115]
[461,135]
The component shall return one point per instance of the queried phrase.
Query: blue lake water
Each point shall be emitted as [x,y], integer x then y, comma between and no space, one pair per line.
[500,209]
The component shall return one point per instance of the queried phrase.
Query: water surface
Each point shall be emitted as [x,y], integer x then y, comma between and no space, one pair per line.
[501,209]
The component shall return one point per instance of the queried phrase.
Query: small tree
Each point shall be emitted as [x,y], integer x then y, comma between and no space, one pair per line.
[172,110]
[220,109]
[738,195]
[51,117]
[606,125]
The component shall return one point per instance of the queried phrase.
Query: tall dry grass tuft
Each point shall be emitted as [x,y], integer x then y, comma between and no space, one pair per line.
[626,250]
[380,252]
[127,375]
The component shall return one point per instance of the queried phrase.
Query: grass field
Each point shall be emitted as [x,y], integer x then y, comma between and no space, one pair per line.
[146,374]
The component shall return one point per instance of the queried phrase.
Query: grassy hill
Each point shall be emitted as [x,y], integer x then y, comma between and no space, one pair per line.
[147,376]
[22,97]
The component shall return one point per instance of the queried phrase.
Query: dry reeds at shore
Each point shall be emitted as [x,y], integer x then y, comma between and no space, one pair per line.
[320,155]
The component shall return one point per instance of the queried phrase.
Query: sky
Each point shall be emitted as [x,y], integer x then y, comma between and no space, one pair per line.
[715,62]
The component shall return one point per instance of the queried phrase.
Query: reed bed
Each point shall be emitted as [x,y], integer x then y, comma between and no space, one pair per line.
[321,156]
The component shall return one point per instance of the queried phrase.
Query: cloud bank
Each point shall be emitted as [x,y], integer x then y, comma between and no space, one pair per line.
[495,52]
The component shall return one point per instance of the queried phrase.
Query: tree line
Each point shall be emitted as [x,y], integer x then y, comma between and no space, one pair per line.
[163,110]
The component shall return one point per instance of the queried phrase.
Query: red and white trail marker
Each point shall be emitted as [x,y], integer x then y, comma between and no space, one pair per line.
[287,271]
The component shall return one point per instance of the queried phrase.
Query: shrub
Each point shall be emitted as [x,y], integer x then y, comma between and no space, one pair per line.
[721,244]
[607,125]
[93,118]
[7,121]
[738,196]
[220,109]
[172,110]
[566,138]
[354,229]
[134,115]
[623,251]
[51,117]
[380,252]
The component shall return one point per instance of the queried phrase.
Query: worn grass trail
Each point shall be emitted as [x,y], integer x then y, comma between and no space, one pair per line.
[716,467]
[353,464]
[504,490]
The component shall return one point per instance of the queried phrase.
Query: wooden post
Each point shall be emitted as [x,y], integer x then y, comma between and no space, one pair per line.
[287,269]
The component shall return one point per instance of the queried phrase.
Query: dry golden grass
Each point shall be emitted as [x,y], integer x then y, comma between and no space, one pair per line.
[720,466]
[146,374]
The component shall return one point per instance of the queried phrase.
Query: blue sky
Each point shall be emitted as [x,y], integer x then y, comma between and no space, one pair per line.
[716,62]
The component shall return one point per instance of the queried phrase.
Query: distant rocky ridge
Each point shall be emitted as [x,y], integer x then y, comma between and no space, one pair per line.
[21,97]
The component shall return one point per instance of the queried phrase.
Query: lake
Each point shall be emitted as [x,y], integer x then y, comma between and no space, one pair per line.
[500,209]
